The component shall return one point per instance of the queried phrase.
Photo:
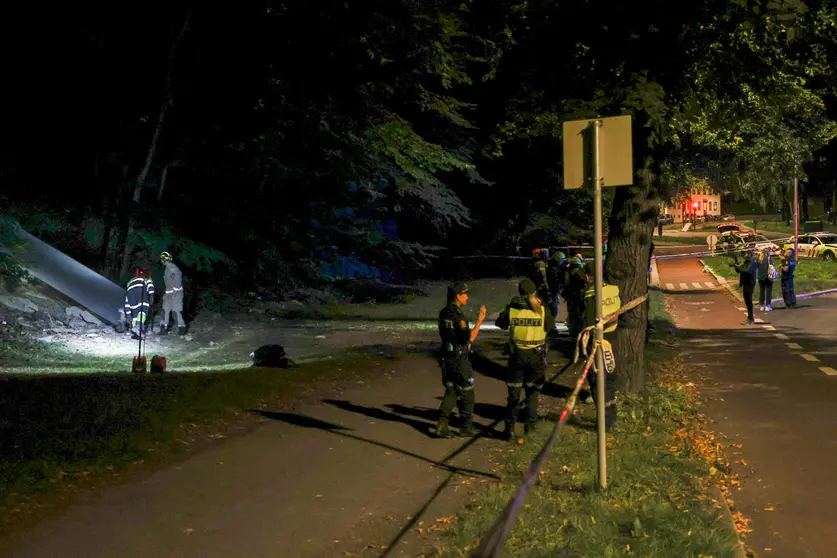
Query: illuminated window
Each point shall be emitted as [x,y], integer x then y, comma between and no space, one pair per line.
[716,206]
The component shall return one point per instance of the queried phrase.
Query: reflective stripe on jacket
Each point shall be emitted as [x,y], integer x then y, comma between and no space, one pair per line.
[526,327]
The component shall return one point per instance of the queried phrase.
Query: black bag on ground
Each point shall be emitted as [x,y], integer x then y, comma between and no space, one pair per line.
[271,356]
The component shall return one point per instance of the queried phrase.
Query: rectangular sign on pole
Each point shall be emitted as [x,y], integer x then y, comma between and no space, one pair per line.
[616,163]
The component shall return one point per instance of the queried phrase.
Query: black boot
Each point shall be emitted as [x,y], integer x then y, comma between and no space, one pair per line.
[468,430]
[181,330]
[508,432]
[442,430]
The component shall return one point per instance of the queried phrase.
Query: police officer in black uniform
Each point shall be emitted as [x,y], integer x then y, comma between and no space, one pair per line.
[457,376]
[528,322]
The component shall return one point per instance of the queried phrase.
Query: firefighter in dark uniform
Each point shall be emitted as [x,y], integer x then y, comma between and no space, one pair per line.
[528,322]
[540,274]
[139,297]
[556,281]
[575,286]
[457,376]
[611,302]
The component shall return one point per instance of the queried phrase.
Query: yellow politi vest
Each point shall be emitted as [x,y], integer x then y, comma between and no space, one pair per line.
[610,304]
[526,328]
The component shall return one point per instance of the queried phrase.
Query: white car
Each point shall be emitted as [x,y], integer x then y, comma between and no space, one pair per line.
[733,240]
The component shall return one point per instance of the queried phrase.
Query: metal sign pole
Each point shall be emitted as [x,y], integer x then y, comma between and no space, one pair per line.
[598,257]
[795,219]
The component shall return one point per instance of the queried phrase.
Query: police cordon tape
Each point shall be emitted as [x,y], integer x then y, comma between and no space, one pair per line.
[492,542]
[701,254]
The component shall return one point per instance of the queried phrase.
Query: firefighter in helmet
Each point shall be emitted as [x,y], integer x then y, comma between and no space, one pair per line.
[139,296]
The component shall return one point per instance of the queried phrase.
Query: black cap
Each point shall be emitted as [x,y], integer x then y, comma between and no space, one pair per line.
[527,287]
[460,287]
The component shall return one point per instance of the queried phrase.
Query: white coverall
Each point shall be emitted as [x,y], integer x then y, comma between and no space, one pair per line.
[173,296]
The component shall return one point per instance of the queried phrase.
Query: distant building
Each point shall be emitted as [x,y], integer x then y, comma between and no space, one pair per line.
[701,199]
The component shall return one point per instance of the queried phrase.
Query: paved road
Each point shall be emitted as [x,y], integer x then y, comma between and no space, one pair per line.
[772,389]
[342,477]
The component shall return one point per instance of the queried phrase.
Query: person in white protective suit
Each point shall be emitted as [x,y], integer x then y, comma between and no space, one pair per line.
[173,295]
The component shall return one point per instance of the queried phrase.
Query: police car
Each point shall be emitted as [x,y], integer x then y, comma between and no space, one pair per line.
[734,240]
[816,245]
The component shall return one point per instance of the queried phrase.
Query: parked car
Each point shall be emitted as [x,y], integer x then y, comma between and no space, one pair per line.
[665,219]
[816,245]
[727,217]
[727,227]
[733,240]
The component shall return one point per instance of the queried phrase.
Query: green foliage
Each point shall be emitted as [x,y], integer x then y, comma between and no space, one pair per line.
[11,271]
[192,254]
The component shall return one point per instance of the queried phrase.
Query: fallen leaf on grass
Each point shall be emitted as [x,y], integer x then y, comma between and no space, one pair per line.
[770,508]
[387,453]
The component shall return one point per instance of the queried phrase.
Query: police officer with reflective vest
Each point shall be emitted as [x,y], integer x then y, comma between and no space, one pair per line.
[611,302]
[173,296]
[528,322]
[457,376]
[139,297]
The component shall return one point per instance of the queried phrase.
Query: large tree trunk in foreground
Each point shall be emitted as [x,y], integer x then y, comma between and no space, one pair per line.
[629,242]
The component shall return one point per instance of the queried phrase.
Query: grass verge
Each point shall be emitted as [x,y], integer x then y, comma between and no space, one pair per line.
[781,227]
[68,431]
[811,275]
[661,464]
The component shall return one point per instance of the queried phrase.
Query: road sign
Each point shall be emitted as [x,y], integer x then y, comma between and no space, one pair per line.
[616,164]
[712,241]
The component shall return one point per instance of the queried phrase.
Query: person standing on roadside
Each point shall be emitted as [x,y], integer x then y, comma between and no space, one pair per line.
[766,274]
[457,375]
[747,271]
[788,271]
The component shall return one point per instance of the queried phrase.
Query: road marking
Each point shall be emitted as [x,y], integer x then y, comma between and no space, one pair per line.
[670,286]
[710,285]
[769,327]
[684,286]
[697,285]
[809,358]
[828,370]
[759,321]
[780,336]
[741,309]
[793,345]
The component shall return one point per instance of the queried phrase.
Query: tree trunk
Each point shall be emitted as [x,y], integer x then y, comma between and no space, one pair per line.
[149,157]
[833,204]
[629,242]
[803,202]
[786,209]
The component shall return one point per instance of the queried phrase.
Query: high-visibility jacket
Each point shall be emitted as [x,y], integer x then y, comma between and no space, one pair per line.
[526,327]
[138,297]
[610,304]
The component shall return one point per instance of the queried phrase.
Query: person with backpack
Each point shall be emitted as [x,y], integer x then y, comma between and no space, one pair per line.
[766,275]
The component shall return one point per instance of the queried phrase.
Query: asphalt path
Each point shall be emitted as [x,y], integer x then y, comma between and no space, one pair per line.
[771,389]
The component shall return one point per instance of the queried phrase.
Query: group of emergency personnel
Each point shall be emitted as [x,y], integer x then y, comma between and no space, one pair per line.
[529,317]
[139,299]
